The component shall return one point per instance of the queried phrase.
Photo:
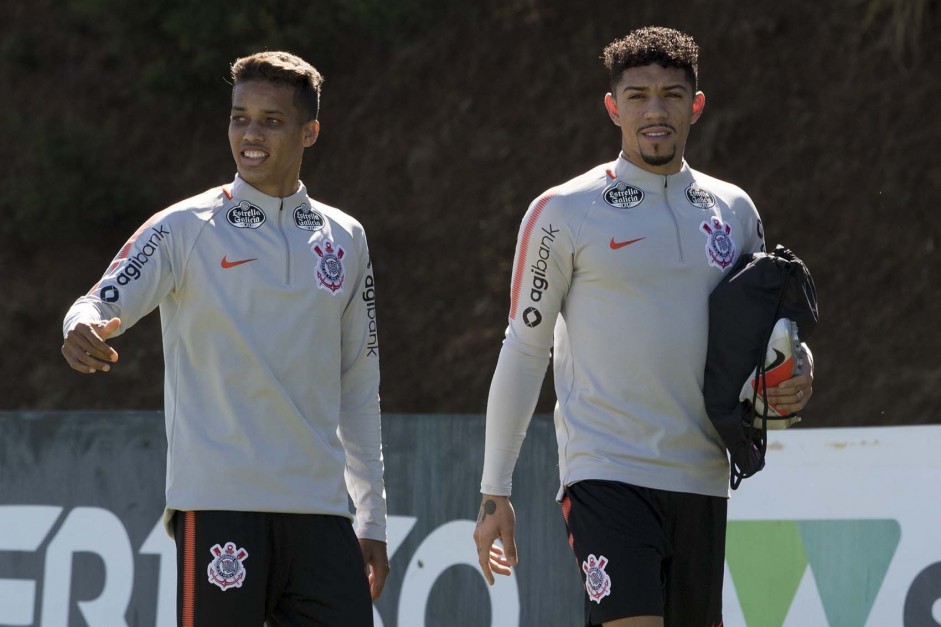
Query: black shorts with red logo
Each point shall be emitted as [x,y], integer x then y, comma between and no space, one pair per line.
[249,568]
[647,552]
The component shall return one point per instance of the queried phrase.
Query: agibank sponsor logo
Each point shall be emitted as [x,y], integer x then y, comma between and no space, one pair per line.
[540,281]
[137,260]
[369,297]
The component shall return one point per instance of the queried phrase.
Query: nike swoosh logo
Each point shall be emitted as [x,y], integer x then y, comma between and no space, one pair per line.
[776,373]
[231,264]
[615,245]
[778,360]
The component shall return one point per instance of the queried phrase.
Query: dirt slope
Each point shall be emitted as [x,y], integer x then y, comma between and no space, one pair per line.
[439,147]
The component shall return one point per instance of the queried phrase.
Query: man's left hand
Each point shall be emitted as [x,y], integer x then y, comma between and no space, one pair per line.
[791,396]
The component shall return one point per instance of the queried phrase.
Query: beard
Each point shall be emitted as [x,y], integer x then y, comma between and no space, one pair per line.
[658,159]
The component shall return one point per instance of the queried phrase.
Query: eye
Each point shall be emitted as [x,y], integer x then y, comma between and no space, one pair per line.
[273,122]
[237,119]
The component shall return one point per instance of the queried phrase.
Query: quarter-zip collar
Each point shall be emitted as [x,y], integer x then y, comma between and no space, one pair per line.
[274,208]
[241,190]
[626,171]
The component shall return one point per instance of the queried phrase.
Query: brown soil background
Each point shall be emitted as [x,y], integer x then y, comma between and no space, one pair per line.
[438,147]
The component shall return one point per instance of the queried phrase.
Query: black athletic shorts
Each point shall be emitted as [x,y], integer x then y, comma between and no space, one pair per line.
[241,569]
[646,552]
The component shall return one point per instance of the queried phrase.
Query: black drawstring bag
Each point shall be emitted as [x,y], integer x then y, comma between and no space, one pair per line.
[743,308]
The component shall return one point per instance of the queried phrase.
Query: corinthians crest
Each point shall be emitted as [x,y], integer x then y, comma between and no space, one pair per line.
[720,248]
[330,272]
[597,582]
[226,569]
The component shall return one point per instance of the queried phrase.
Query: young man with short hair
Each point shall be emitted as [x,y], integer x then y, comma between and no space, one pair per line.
[267,302]
[613,273]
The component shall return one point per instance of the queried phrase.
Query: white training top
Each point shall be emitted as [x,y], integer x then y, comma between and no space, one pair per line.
[272,358]
[613,271]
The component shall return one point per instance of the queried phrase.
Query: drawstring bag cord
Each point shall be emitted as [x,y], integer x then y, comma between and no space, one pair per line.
[759,444]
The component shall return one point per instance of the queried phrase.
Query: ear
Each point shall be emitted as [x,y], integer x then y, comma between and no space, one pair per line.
[311,131]
[612,107]
[699,102]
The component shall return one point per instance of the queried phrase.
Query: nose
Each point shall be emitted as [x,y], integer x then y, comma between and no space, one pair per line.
[254,132]
[656,108]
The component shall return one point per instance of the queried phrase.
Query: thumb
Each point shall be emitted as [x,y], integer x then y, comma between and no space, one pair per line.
[108,328]
[508,537]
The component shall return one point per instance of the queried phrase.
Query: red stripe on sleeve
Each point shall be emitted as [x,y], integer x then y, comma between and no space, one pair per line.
[518,272]
[127,247]
[123,253]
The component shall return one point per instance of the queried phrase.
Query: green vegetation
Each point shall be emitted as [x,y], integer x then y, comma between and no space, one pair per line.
[906,23]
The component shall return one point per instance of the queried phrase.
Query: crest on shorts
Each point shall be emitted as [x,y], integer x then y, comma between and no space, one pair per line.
[597,582]
[330,273]
[226,569]
[720,248]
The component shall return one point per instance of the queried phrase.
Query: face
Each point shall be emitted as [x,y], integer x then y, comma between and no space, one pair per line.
[654,106]
[268,135]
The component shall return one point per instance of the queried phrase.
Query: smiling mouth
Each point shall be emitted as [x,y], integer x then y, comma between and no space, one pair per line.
[660,133]
[252,154]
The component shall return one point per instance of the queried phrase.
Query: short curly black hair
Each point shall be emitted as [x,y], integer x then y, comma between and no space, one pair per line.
[653,44]
[287,69]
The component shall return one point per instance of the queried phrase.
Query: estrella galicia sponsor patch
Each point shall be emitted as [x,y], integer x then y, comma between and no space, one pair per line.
[532,317]
[245,215]
[698,197]
[720,248]
[109,294]
[597,582]
[623,196]
[307,218]
[226,570]
[330,273]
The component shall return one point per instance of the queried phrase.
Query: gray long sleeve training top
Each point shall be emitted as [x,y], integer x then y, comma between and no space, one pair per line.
[272,359]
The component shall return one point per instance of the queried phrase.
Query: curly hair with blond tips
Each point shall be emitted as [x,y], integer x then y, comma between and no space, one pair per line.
[653,44]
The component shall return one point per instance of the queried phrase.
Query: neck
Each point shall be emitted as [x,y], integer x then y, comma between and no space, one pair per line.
[666,169]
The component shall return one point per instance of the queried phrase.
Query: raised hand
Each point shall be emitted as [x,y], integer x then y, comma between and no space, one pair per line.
[85,348]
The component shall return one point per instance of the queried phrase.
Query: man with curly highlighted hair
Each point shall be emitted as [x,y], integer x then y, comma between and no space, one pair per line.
[613,273]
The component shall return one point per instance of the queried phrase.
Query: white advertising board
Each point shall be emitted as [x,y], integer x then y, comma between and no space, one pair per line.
[841,529]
